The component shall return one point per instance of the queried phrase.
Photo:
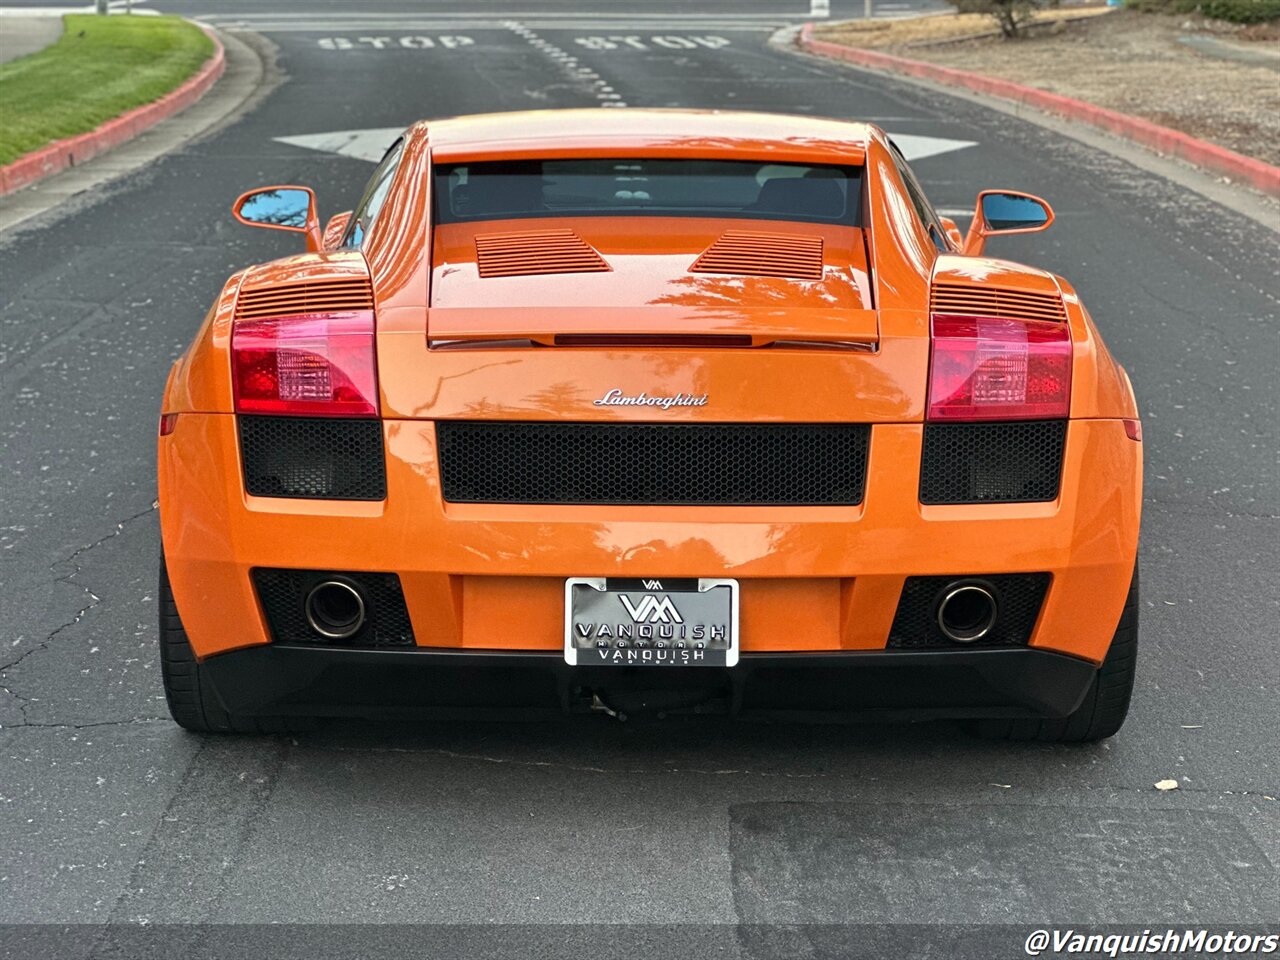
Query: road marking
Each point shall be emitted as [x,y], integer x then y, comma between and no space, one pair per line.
[915,147]
[372,143]
[368,145]
[339,23]
[581,76]
[664,41]
[498,18]
[412,42]
[414,25]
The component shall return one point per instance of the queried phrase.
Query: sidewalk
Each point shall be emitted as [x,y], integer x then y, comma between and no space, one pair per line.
[20,36]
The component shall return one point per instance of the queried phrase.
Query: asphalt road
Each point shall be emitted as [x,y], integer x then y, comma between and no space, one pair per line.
[710,838]
[319,10]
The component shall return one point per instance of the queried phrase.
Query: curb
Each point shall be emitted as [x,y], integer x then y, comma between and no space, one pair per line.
[1256,173]
[62,154]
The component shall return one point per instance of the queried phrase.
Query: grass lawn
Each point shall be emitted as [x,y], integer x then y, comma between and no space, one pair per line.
[100,68]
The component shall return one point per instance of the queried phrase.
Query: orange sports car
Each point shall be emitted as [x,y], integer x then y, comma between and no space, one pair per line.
[643,412]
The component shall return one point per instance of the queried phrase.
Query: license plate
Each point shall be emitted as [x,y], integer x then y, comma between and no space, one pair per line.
[650,623]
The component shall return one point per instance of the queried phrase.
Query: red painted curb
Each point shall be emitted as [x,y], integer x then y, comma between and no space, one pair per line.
[1258,174]
[61,154]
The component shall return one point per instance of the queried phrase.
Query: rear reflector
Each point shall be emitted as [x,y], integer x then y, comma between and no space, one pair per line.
[985,368]
[315,365]
[168,423]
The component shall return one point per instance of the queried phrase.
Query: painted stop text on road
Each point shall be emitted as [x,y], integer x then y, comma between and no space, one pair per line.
[456,41]
[415,42]
[660,42]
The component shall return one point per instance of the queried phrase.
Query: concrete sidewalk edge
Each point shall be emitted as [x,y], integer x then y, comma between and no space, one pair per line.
[61,154]
[1256,173]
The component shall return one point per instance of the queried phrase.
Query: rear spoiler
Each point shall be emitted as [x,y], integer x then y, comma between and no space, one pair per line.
[652,326]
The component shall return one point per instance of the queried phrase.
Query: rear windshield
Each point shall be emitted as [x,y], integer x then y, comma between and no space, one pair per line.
[501,190]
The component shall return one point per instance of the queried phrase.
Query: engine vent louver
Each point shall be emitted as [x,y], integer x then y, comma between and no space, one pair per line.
[763,255]
[317,296]
[544,251]
[971,300]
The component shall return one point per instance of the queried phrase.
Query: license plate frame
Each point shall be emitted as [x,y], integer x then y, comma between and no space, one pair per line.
[672,610]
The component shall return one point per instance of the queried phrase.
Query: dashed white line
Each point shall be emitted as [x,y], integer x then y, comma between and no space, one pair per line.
[596,85]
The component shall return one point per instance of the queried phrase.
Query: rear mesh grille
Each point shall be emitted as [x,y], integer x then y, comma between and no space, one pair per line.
[283,594]
[320,296]
[545,251]
[763,255]
[992,462]
[314,458]
[720,464]
[1018,600]
[982,301]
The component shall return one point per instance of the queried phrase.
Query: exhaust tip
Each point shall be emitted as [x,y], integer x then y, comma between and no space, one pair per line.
[966,612]
[335,609]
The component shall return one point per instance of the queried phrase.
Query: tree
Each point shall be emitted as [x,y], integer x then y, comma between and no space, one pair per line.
[1010,14]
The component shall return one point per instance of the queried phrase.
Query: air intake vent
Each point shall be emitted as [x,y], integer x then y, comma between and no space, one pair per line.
[763,255]
[723,464]
[971,300]
[546,251]
[318,296]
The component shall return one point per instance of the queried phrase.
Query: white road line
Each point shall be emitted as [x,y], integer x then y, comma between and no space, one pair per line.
[427,26]
[527,18]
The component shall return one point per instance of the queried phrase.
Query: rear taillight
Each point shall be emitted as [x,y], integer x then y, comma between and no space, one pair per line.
[319,365]
[984,368]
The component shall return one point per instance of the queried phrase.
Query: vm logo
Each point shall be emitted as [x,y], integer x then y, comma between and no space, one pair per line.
[652,610]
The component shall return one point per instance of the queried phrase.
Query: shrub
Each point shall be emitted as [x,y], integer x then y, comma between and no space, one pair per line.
[1235,11]
[1241,11]
[1009,14]
[1163,6]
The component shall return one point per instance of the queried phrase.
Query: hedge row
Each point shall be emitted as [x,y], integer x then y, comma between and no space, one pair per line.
[1241,11]
[1235,11]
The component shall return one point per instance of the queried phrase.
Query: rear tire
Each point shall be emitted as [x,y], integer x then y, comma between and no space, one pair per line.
[193,703]
[1104,707]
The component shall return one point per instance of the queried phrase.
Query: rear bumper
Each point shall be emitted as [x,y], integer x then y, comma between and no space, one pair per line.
[491,576]
[315,681]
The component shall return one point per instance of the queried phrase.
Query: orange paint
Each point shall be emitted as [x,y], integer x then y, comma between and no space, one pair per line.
[850,346]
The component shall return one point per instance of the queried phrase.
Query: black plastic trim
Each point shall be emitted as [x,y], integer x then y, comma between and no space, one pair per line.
[312,458]
[277,680]
[1015,461]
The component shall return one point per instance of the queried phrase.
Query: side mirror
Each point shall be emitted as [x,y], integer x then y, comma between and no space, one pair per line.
[334,229]
[1000,212]
[281,208]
